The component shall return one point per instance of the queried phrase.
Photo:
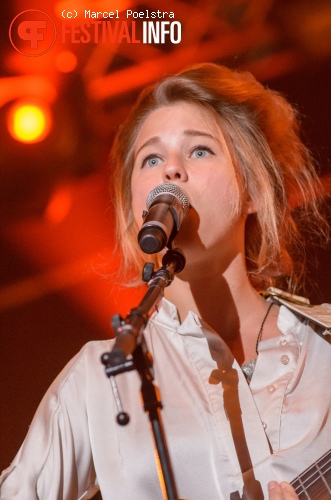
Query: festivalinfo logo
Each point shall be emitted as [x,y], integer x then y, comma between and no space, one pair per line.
[33,32]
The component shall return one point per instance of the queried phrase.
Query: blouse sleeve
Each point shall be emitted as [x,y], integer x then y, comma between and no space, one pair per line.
[55,460]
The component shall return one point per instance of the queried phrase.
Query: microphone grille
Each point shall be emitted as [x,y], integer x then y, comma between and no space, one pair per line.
[169,189]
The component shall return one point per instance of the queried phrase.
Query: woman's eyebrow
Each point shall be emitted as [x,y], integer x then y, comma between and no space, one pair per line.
[193,132]
[150,141]
[188,132]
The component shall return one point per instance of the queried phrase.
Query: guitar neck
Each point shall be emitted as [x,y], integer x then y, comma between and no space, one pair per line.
[315,482]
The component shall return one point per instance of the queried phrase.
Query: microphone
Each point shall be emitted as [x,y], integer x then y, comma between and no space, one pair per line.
[167,205]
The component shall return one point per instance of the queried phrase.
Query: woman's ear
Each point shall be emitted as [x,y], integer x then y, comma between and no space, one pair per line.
[249,207]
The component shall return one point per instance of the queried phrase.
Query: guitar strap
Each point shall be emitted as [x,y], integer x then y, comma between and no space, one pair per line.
[318,316]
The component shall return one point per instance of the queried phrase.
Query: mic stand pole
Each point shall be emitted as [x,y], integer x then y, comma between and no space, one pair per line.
[130,342]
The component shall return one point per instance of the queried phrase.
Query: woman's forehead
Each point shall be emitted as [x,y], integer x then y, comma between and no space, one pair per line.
[181,116]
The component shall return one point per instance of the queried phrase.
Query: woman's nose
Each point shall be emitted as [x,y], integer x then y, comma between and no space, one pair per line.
[174,170]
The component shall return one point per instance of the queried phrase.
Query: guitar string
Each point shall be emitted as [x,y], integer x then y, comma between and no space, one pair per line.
[318,493]
[326,456]
[314,466]
[305,483]
[321,488]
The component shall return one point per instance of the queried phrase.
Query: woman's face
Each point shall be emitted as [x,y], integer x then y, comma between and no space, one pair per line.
[183,144]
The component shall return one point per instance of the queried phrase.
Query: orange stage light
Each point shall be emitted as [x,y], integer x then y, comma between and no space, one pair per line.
[29,121]
[59,205]
[66,61]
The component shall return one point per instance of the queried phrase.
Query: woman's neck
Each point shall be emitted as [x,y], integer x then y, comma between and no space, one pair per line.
[227,302]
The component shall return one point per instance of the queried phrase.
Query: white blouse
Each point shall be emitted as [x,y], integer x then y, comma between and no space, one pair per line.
[224,436]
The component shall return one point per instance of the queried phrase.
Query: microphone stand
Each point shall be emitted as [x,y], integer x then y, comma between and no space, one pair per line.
[130,343]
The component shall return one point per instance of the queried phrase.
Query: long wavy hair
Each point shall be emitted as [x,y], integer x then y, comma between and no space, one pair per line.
[262,133]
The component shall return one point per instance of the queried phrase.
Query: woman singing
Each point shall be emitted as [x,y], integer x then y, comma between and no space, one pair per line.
[242,374]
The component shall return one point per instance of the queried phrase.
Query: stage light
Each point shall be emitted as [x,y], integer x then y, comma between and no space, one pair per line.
[29,121]
[66,61]
[59,205]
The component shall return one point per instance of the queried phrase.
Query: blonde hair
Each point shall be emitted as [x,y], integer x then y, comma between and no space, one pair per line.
[262,132]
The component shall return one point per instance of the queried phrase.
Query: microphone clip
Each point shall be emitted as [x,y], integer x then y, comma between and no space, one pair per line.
[174,256]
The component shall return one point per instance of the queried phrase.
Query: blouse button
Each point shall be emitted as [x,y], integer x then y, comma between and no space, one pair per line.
[285,359]
[264,425]
[283,342]
[271,388]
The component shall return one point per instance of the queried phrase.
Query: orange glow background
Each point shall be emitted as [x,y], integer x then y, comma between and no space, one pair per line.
[57,288]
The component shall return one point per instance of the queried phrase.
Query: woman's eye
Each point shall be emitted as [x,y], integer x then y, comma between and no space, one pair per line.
[151,161]
[201,152]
